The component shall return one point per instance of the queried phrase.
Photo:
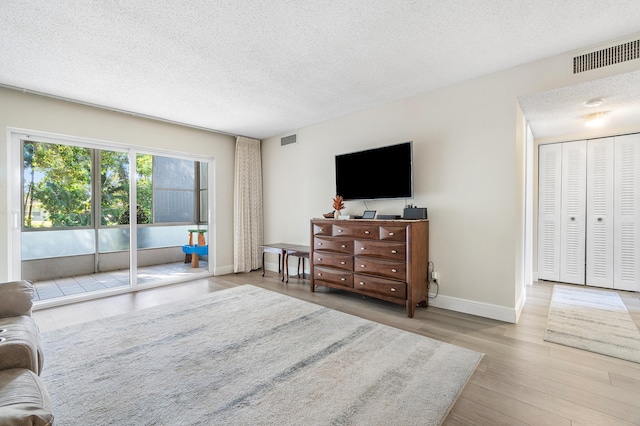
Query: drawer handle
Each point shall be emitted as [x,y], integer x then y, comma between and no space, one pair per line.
[362,248]
[393,289]
[367,232]
[339,230]
[394,251]
[394,270]
[343,279]
[362,266]
[319,244]
[361,283]
[319,274]
[319,259]
[343,246]
[391,233]
[343,263]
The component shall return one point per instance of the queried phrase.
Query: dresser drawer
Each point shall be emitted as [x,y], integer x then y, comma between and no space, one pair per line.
[333,244]
[391,251]
[393,233]
[380,267]
[322,229]
[373,285]
[356,231]
[340,261]
[332,276]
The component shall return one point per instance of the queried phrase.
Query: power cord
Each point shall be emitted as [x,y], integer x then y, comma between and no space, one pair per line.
[430,268]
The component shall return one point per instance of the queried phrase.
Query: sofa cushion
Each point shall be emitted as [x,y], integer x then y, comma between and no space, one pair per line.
[16,298]
[20,345]
[24,399]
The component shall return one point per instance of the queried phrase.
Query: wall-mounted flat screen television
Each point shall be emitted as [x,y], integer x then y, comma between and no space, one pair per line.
[385,172]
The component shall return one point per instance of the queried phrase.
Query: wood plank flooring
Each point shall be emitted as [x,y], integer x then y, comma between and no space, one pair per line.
[522,380]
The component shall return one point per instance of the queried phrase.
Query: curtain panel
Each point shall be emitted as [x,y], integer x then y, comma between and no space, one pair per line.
[247,208]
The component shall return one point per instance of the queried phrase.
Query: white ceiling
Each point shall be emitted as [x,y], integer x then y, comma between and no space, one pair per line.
[562,111]
[263,68]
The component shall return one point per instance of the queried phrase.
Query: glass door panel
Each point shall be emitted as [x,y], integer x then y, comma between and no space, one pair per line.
[166,195]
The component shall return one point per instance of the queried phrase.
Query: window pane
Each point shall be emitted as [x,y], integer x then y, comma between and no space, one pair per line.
[56,185]
[57,243]
[204,195]
[173,206]
[173,190]
[204,205]
[114,195]
[144,188]
[204,175]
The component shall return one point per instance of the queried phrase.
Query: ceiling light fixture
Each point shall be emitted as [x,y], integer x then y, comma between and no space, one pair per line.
[596,119]
[593,102]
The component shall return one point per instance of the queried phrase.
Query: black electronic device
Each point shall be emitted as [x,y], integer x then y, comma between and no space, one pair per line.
[415,213]
[388,216]
[369,214]
[385,172]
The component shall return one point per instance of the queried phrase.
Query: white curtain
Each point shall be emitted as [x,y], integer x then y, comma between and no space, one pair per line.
[247,206]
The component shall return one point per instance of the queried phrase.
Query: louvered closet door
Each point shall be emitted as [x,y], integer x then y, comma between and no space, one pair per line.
[572,231]
[600,168]
[549,211]
[626,234]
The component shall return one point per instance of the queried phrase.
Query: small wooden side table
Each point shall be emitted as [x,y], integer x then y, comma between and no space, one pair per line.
[301,252]
[284,250]
[279,249]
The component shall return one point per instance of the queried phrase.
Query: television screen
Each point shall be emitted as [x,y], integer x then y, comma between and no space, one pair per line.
[385,172]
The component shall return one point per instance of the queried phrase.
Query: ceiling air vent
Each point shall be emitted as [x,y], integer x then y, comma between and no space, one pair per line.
[287,140]
[612,55]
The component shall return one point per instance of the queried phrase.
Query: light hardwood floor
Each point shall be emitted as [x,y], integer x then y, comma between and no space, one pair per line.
[522,380]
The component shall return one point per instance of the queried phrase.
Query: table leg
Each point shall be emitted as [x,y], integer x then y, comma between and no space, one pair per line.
[263,269]
[286,267]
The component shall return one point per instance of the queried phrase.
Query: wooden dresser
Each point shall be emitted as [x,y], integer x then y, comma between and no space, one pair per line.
[385,259]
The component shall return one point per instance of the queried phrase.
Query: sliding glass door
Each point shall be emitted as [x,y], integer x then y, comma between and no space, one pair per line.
[83,207]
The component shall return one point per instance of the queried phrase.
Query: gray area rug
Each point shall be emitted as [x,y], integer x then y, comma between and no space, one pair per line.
[593,320]
[250,356]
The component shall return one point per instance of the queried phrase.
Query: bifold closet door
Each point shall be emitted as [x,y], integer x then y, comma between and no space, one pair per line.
[561,212]
[589,212]
[600,167]
[549,214]
[572,226]
[626,229]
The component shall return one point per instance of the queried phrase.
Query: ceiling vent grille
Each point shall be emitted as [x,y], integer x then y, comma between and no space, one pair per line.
[608,56]
[287,140]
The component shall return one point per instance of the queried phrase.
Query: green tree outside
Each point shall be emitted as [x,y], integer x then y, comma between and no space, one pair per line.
[63,191]
[57,179]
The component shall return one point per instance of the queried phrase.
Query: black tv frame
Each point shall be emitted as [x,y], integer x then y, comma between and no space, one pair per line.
[379,173]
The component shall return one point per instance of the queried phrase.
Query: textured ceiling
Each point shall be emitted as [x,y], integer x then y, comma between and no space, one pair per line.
[262,68]
[562,111]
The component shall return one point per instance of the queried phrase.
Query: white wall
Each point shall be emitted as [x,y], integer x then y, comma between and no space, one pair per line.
[469,160]
[32,112]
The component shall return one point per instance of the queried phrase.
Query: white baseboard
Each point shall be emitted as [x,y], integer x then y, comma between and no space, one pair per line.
[481,309]
[487,310]
[223,270]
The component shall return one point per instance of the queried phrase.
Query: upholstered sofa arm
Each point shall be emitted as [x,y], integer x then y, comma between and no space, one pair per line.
[16,298]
